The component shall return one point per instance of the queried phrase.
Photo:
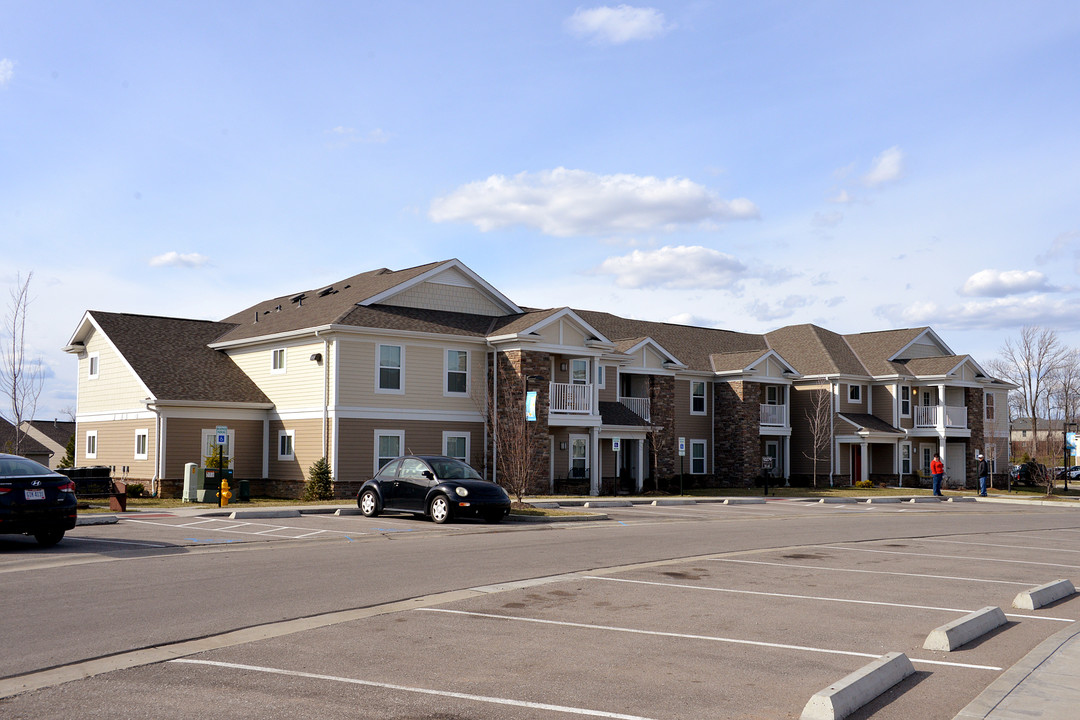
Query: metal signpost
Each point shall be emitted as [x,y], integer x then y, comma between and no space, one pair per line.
[682,454]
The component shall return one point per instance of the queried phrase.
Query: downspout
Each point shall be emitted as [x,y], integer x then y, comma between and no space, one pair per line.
[158,469]
[326,397]
[491,425]
[832,430]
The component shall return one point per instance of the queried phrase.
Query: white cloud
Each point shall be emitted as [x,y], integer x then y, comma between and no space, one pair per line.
[841,198]
[7,71]
[999,283]
[997,314]
[692,320]
[888,166]
[764,312]
[565,203]
[674,268]
[617,25]
[175,259]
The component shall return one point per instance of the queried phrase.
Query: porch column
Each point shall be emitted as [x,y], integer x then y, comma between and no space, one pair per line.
[941,410]
[640,479]
[864,471]
[787,460]
[594,464]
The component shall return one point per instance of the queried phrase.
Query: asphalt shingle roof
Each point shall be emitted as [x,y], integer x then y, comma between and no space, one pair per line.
[870,422]
[171,356]
[27,444]
[615,413]
[813,350]
[875,349]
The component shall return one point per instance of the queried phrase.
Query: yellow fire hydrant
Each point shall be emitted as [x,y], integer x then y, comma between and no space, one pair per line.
[224,495]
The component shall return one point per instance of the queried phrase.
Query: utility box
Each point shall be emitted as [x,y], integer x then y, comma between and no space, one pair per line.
[210,483]
[191,482]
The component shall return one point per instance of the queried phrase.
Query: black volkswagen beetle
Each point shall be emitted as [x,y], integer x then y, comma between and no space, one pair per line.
[34,500]
[439,487]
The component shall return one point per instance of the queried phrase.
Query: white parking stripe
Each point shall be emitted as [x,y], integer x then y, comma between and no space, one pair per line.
[687,636]
[421,691]
[811,597]
[873,572]
[1011,547]
[968,558]
[117,542]
[232,528]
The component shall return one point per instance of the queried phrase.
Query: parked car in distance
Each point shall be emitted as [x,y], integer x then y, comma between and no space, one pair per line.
[34,500]
[1031,473]
[436,486]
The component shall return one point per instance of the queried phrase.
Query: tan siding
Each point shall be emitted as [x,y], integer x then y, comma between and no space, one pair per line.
[801,440]
[116,447]
[693,427]
[850,407]
[610,391]
[300,386]
[652,359]
[307,448]
[356,458]
[451,298]
[184,439]
[424,377]
[116,388]
[883,402]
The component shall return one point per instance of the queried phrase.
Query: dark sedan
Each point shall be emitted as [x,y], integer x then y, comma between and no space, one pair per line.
[34,500]
[441,488]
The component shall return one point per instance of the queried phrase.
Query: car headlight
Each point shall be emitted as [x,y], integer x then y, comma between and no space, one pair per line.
[461,491]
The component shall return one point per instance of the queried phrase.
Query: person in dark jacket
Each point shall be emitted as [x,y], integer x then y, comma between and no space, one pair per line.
[983,471]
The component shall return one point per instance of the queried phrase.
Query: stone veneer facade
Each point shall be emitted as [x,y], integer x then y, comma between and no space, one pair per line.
[662,417]
[973,398]
[513,367]
[737,453]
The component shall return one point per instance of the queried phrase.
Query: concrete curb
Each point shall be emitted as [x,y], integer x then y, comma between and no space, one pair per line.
[1035,598]
[960,632]
[874,501]
[860,687]
[555,519]
[924,499]
[838,500]
[960,499]
[608,503]
[1024,690]
[252,514]
[745,501]
[674,501]
[347,511]
[96,520]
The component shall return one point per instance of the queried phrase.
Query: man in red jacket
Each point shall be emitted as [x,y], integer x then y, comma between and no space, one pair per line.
[937,470]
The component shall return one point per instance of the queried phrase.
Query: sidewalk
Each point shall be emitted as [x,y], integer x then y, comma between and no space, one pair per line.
[1045,684]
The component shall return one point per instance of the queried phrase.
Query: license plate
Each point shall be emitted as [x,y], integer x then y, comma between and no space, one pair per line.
[35,494]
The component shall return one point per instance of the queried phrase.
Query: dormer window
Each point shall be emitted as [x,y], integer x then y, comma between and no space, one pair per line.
[854,393]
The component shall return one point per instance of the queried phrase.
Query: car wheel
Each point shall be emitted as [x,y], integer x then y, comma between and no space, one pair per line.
[369,503]
[48,538]
[440,509]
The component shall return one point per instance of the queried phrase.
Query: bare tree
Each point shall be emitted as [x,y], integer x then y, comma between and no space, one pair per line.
[1031,363]
[819,423]
[518,445]
[20,377]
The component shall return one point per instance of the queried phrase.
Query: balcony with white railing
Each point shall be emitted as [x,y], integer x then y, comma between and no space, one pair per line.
[926,416]
[571,398]
[774,415]
[640,406]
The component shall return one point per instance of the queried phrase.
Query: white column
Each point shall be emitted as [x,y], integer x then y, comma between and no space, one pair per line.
[640,479]
[594,461]
[864,471]
[787,459]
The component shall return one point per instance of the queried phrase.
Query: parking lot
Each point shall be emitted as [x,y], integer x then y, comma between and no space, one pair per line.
[741,634]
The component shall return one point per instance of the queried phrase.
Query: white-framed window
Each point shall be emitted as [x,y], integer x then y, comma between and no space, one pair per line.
[927,456]
[854,393]
[697,397]
[457,372]
[579,371]
[388,445]
[389,373]
[93,366]
[905,458]
[579,456]
[772,395]
[905,401]
[697,457]
[456,445]
[989,406]
[209,442]
[600,383]
[285,440]
[91,444]
[927,399]
[142,444]
[277,361]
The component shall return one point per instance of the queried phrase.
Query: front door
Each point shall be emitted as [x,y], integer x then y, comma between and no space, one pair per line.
[772,450]
[956,464]
[856,464]
[579,457]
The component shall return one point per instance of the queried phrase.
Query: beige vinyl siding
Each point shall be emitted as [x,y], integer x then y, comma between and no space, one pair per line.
[883,399]
[610,391]
[116,388]
[564,332]
[116,447]
[434,295]
[356,458]
[184,436]
[299,387]
[307,448]
[423,376]
[853,407]
[998,427]
[923,349]
[801,439]
[693,427]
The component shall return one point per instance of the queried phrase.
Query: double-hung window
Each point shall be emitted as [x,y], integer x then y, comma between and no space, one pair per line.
[91,444]
[905,459]
[391,361]
[142,438]
[93,366]
[697,457]
[457,372]
[697,397]
[905,401]
[990,406]
[456,445]
[388,444]
[286,438]
[854,393]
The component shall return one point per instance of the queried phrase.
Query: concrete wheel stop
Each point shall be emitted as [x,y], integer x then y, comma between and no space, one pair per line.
[857,689]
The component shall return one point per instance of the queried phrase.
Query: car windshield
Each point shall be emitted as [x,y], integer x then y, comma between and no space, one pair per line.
[12,467]
[450,469]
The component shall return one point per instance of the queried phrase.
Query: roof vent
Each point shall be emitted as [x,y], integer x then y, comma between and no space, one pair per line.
[327,291]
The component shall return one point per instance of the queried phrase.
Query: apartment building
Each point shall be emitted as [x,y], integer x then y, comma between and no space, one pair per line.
[433,359]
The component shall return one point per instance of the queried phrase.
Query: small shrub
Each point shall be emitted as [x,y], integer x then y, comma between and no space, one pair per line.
[135,490]
[864,485]
[320,485]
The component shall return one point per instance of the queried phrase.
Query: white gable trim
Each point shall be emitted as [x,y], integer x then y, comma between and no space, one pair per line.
[658,347]
[431,275]
[567,313]
[928,332]
[80,334]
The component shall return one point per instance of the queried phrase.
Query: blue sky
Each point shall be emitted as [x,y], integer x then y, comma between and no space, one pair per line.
[858,165]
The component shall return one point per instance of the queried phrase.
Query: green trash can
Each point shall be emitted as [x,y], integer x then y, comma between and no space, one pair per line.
[243,491]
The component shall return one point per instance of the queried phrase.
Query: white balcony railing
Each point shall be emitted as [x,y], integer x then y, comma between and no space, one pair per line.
[926,416]
[774,415]
[571,398]
[640,406]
